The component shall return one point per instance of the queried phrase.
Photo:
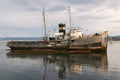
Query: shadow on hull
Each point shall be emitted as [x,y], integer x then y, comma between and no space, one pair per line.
[62,50]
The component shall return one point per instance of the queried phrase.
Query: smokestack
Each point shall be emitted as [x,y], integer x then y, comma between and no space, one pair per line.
[62,28]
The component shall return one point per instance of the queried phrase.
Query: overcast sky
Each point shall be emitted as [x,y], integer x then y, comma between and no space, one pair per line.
[24,17]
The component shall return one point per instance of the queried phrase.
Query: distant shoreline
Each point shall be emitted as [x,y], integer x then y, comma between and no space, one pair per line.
[21,38]
[114,40]
[110,38]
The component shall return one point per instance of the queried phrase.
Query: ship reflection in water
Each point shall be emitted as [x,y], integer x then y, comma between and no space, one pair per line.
[67,65]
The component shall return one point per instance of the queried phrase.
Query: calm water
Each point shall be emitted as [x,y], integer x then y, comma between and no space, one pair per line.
[35,66]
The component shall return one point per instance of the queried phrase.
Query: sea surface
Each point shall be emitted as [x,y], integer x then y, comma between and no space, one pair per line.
[34,65]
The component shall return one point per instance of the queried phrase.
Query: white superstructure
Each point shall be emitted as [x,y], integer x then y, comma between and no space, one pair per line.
[71,34]
[76,33]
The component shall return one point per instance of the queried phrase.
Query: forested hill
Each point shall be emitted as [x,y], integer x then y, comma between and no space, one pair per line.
[116,38]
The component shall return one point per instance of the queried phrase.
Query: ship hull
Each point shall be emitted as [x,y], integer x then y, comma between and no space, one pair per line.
[53,49]
[94,43]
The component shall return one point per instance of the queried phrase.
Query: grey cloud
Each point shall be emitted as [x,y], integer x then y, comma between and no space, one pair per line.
[95,17]
[23,13]
[33,9]
[81,5]
[56,5]
[117,21]
[87,2]
[56,8]
[113,4]
[28,5]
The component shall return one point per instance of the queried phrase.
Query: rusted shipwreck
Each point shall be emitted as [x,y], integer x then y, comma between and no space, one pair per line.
[72,40]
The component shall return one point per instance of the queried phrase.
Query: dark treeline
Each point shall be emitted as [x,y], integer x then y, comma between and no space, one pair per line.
[116,38]
[21,38]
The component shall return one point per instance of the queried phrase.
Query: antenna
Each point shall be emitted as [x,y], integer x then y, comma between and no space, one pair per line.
[44,20]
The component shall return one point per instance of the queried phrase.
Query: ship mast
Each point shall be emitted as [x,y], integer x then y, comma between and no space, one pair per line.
[44,20]
[70,24]
[69,16]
